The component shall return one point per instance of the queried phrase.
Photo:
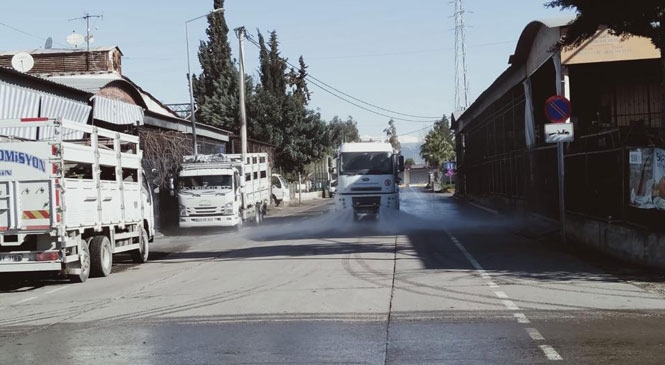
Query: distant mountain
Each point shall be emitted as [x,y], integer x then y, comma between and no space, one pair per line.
[412,150]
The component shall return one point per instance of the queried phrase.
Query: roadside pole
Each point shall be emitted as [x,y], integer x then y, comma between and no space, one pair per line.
[558,110]
[240,32]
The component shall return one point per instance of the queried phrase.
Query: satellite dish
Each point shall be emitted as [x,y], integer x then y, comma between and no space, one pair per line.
[75,39]
[49,43]
[22,62]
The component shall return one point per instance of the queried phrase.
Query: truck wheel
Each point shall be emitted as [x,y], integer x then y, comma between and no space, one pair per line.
[84,259]
[277,201]
[257,214]
[101,258]
[140,255]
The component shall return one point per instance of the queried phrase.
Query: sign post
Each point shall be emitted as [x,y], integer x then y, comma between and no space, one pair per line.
[558,110]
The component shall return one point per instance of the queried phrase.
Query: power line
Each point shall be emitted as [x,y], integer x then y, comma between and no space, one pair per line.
[417,130]
[311,78]
[28,34]
[362,107]
[372,105]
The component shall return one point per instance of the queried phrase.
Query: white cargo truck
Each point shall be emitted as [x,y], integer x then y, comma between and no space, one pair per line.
[223,190]
[367,178]
[70,198]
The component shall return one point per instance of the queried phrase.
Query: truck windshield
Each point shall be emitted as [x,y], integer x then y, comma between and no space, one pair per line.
[206,182]
[366,163]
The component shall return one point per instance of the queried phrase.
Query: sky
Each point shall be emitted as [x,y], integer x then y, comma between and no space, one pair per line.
[395,58]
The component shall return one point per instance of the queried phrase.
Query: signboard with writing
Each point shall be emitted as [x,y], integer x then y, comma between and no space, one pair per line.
[559,132]
[647,178]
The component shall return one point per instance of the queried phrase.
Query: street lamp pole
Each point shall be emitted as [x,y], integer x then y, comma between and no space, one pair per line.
[191,79]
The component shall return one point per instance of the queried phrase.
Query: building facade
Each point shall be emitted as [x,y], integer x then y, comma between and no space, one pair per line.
[614,86]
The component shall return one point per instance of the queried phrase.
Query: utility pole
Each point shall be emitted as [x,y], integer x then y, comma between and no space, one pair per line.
[240,33]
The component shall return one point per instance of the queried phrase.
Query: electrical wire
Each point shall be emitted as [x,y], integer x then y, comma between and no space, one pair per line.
[317,82]
[28,34]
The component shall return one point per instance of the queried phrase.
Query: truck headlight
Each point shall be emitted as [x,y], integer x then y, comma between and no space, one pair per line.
[183,211]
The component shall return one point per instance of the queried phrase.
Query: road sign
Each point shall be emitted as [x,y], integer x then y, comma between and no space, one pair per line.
[557,109]
[559,132]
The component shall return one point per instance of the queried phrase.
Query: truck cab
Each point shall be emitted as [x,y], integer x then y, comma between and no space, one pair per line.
[279,190]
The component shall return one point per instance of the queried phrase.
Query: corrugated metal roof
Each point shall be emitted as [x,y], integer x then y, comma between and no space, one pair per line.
[89,83]
[94,83]
[116,112]
[19,102]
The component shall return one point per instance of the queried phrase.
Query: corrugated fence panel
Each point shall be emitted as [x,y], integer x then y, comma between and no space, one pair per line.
[17,102]
[117,112]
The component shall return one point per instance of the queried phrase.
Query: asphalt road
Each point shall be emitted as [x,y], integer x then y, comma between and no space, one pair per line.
[441,282]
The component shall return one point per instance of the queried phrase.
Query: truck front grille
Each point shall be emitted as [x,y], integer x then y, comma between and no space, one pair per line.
[366,201]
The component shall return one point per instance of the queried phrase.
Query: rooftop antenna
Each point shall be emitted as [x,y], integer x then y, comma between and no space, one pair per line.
[22,62]
[88,37]
[74,39]
[461,80]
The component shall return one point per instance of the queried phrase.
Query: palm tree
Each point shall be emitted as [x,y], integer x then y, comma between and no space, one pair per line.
[436,149]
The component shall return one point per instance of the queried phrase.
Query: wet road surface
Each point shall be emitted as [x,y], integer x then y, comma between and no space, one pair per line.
[441,282]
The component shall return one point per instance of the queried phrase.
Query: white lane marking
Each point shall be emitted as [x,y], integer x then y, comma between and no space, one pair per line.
[468,256]
[521,318]
[501,294]
[550,352]
[492,284]
[25,300]
[56,289]
[534,334]
[510,305]
[494,211]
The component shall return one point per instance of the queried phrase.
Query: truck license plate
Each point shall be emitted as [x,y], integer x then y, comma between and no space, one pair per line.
[11,258]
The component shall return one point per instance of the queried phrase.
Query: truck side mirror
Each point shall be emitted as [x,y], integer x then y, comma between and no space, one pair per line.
[400,163]
[171,186]
[330,165]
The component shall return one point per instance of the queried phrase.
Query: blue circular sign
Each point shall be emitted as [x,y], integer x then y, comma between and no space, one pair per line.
[558,109]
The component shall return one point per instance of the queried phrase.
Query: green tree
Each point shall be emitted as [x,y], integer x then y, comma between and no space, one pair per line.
[439,144]
[278,111]
[625,18]
[343,131]
[409,162]
[297,79]
[216,89]
[391,133]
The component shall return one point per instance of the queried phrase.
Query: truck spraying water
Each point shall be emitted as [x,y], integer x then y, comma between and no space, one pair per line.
[368,178]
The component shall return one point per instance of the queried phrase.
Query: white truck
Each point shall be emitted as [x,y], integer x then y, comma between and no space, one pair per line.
[223,190]
[367,178]
[71,198]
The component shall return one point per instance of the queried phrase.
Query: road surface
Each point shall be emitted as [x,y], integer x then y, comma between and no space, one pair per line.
[441,282]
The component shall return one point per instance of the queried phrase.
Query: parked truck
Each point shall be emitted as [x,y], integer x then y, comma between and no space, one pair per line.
[367,178]
[71,196]
[223,190]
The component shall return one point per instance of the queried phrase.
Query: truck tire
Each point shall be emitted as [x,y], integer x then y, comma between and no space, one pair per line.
[101,257]
[84,259]
[141,254]
[257,214]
